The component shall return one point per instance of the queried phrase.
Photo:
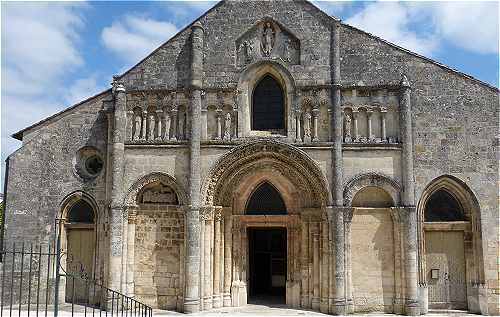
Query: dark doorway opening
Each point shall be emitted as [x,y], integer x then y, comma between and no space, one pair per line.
[267,248]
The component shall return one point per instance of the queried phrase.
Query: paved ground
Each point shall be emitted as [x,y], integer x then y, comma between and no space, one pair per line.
[249,310]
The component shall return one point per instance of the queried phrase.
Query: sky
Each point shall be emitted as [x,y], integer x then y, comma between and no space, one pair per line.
[54,54]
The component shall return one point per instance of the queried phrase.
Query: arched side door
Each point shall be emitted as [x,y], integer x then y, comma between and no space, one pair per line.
[80,237]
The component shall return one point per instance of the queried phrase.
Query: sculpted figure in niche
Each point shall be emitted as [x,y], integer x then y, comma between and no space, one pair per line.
[137,127]
[267,41]
[227,127]
[247,48]
[348,137]
[152,123]
[307,127]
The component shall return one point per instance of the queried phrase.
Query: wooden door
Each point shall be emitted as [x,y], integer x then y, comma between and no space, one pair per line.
[445,263]
[79,263]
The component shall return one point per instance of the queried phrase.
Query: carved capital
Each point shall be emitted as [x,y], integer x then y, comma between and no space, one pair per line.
[206,213]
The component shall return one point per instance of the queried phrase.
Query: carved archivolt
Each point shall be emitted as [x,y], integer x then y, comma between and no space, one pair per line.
[134,192]
[291,162]
[361,181]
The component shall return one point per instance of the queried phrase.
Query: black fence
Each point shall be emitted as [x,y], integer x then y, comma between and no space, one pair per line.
[34,283]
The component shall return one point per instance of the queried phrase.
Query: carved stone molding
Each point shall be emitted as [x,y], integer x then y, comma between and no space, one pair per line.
[304,169]
[361,181]
[156,177]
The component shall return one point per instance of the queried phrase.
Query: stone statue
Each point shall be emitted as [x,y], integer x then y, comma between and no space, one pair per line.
[347,133]
[267,41]
[247,48]
[152,123]
[181,125]
[227,127]
[307,127]
[137,127]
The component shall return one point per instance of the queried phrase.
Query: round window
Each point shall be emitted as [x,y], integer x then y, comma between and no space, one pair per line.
[88,163]
[93,165]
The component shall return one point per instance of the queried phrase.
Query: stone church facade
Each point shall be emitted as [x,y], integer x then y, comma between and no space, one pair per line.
[270,152]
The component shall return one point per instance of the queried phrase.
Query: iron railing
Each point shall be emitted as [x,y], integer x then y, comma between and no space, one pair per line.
[33,282]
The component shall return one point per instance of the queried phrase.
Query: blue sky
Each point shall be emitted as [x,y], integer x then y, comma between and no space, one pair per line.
[55,54]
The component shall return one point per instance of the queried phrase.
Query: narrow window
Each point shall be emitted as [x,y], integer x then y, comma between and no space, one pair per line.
[442,206]
[268,109]
[266,200]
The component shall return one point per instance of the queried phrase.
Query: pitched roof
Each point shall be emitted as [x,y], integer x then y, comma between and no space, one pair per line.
[18,135]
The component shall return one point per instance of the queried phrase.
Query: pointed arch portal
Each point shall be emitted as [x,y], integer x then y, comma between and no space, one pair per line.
[266,200]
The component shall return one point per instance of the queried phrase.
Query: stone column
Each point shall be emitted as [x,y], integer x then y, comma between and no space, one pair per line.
[159,115]
[173,123]
[339,301]
[124,267]
[355,114]
[410,262]
[207,264]
[228,245]
[315,115]
[192,263]
[369,114]
[131,252]
[217,301]
[407,143]
[204,124]
[383,112]
[408,200]
[304,300]
[144,125]
[298,136]
[348,214]
[316,269]
[339,307]
[324,266]
[116,220]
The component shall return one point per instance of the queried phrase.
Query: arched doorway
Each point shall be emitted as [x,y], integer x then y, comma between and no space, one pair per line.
[450,246]
[268,106]
[271,198]
[445,254]
[80,245]
[372,239]
[267,248]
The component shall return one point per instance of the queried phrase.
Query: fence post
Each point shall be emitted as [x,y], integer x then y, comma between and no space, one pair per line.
[58,263]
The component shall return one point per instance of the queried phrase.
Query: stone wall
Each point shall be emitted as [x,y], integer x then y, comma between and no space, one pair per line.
[453,122]
[373,260]
[159,256]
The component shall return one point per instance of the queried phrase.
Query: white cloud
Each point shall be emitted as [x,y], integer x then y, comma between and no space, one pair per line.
[472,26]
[469,25]
[39,49]
[333,8]
[391,21]
[84,88]
[135,37]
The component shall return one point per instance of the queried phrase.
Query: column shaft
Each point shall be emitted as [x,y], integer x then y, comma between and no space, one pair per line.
[192,263]
[304,300]
[228,238]
[116,220]
[337,179]
[217,267]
